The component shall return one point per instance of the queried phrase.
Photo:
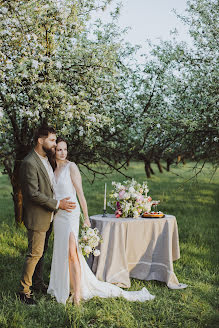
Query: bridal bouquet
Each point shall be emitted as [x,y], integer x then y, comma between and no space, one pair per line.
[88,240]
[130,199]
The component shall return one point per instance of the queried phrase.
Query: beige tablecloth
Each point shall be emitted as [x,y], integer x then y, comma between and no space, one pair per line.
[139,248]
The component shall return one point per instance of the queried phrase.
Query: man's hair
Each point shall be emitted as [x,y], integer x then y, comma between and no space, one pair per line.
[43,132]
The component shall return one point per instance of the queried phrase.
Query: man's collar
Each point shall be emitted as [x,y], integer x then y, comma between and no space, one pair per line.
[41,157]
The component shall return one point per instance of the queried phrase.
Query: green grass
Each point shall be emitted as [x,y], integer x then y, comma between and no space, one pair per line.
[196,207]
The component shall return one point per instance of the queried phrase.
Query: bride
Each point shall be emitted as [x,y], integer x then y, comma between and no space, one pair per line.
[70,272]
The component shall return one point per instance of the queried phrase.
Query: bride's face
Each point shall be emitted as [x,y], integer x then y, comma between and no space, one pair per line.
[61,151]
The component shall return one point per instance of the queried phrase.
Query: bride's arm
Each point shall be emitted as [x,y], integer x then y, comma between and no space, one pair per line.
[77,182]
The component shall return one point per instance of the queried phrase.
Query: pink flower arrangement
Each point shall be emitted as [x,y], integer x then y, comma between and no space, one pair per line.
[130,199]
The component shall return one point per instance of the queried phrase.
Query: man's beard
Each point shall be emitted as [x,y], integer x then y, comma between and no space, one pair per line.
[49,151]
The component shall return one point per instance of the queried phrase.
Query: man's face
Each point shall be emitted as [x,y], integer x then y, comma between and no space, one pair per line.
[49,144]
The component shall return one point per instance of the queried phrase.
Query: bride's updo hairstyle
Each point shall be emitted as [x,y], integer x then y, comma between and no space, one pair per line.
[52,160]
[60,139]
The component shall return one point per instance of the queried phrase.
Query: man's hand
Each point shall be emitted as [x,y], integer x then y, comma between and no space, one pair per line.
[66,205]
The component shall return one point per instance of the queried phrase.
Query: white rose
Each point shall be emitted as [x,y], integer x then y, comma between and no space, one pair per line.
[126,195]
[96,252]
[87,249]
[131,190]
[90,232]
[118,185]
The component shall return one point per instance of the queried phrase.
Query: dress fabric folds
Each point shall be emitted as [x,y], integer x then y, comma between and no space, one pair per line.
[64,224]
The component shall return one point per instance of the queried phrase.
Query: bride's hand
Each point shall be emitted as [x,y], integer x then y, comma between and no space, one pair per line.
[87,222]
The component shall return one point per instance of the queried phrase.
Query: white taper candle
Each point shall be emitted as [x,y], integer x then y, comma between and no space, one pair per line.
[104,205]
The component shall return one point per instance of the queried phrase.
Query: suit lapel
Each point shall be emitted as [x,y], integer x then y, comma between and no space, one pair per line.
[42,167]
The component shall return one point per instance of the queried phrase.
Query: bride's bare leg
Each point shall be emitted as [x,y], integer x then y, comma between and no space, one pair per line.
[74,269]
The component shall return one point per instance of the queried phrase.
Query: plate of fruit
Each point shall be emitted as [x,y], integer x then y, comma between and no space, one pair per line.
[153,215]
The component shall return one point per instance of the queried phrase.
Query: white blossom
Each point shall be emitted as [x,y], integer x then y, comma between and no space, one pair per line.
[96,252]
[87,249]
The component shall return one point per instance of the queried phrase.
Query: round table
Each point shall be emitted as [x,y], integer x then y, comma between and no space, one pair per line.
[142,248]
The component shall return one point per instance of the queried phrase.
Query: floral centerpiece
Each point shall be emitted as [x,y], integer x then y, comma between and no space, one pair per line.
[88,241]
[130,199]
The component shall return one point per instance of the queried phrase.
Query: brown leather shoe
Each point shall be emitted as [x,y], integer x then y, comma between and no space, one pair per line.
[26,298]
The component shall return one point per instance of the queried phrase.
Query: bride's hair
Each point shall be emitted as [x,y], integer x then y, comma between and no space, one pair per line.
[60,139]
[52,159]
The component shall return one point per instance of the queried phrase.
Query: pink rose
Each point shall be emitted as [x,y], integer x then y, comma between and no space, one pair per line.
[118,213]
[121,194]
[139,199]
[149,199]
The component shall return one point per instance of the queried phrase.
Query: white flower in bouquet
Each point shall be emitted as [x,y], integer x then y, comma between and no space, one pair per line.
[96,252]
[118,186]
[126,195]
[147,207]
[127,207]
[90,232]
[87,249]
[135,214]
[88,240]
[132,190]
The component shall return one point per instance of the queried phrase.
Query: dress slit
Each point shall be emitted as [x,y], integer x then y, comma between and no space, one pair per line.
[71,234]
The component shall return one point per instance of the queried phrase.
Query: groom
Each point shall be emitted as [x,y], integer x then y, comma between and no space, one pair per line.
[36,176]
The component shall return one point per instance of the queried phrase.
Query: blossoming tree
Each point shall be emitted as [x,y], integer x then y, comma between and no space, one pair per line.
[57,70]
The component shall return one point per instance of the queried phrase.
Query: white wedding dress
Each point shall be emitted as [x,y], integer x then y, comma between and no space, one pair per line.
[64,224]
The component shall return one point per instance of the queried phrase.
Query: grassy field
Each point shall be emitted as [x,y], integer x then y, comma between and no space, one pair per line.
[196,207]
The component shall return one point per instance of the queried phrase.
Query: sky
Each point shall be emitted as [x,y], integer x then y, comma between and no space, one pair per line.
[150,19]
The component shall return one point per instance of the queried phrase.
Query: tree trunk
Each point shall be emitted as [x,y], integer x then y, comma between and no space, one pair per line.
[159,166]
[18,201]
[17,194]
[152,171]
[169,162]
[147,169]
[12,169]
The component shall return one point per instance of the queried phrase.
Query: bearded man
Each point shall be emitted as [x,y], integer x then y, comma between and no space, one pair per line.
[39,204]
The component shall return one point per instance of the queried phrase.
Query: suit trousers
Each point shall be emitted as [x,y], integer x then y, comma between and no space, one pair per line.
[33,266]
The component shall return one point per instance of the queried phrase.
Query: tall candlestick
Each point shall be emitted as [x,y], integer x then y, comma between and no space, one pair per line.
[104,205]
